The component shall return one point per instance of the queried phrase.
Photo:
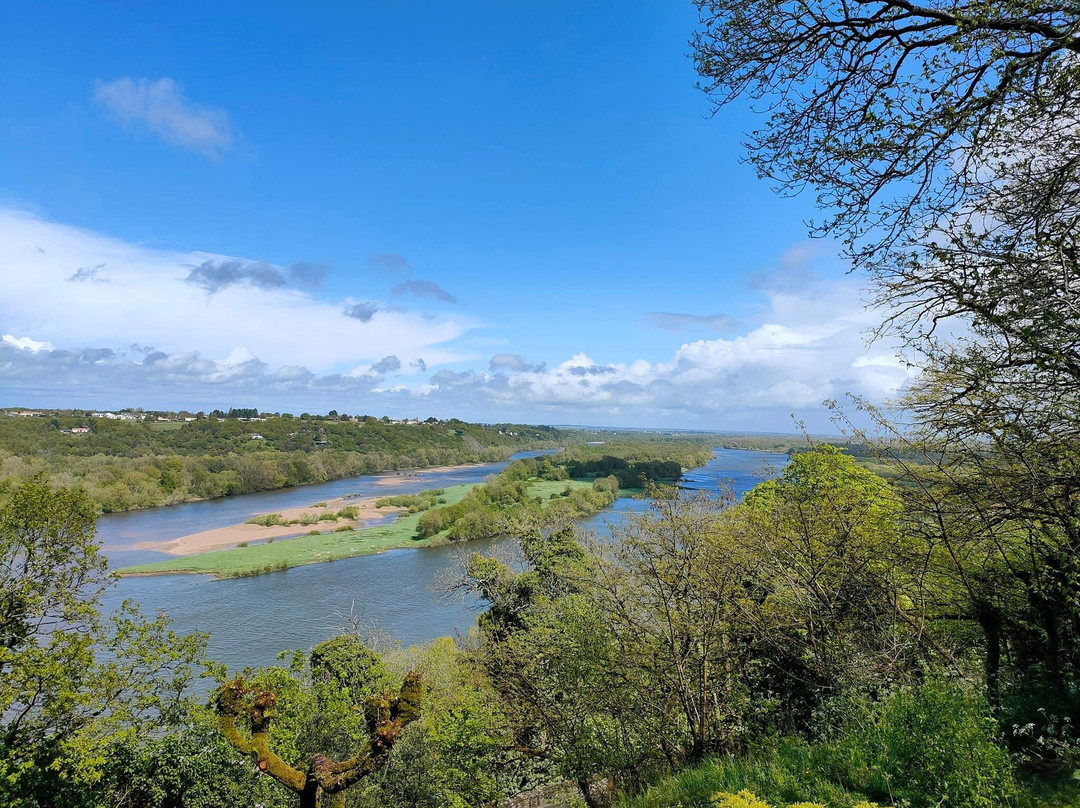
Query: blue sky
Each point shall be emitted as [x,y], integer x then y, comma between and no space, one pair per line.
[526,209]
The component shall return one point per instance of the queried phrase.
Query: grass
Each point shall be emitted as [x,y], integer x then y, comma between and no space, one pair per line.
[164,426]
[545,488]
[243,561]
[788,772]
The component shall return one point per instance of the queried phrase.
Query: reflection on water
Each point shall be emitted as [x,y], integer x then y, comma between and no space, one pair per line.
[251,619]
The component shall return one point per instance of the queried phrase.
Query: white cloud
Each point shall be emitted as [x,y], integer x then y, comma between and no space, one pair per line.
[808,348]
[148,301]
[26,344]
[162,108]
[278,345]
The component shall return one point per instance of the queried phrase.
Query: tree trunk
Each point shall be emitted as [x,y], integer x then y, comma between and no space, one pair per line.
[585,787]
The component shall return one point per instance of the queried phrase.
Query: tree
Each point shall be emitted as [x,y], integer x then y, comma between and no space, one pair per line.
[548,653]
[71,683]
[941,140]
[895,112]
[838,604]
[334,706]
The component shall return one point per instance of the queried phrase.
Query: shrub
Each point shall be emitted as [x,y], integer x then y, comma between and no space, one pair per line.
[935,744]
[267,520]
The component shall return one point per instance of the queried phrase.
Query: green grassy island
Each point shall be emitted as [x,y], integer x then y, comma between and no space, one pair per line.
[546,490]
[284,554]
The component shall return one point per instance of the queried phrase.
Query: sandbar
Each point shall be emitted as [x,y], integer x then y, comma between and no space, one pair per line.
[222,537]
[393,477]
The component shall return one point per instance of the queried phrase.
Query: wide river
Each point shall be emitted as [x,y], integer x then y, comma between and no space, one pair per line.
[250,620]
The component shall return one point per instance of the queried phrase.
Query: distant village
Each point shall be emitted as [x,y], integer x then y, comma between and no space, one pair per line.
[243,415]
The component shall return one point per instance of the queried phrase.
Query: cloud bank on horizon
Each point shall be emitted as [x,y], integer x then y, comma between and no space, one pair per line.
[89,320]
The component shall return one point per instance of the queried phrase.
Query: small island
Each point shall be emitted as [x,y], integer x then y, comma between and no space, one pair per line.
[540,491]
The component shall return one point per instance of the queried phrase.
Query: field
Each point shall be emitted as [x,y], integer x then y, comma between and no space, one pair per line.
[283,554]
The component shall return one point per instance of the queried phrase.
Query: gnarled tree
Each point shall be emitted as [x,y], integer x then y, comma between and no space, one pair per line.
[324,781]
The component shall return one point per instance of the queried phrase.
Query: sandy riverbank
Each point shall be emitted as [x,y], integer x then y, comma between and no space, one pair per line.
[231,536]
[392,477]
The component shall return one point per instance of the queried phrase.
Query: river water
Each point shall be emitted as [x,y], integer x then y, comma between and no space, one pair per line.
[250,620]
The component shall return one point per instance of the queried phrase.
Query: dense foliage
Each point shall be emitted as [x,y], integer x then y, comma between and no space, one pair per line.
[125,465]
[72,684]
[506,503]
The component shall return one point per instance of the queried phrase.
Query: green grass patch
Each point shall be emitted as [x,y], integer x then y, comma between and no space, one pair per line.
[545,488]
[164,426]
[267,557]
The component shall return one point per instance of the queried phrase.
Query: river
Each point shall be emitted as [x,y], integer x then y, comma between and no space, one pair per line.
[250,620]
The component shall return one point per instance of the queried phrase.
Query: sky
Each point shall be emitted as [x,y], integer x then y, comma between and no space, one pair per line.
[494,211]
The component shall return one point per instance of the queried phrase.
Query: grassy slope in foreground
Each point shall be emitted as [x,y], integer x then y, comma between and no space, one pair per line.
[285,553]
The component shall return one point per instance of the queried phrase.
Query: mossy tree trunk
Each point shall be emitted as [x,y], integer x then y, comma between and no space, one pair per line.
[325,781]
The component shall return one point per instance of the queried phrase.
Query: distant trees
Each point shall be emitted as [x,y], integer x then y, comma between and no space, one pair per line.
[127,465]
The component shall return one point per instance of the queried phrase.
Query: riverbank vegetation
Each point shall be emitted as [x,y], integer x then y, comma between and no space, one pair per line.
[125,465]
[528,492]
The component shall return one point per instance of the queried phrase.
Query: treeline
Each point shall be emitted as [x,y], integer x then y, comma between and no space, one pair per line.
[632,457]
[129,465]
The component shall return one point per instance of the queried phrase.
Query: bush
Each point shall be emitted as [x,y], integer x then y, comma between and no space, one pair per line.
[928,746]
[931,745]
[267,520]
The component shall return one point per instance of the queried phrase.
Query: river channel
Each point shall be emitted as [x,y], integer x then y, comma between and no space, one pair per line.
[250,620]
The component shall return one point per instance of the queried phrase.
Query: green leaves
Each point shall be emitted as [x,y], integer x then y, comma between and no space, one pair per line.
[71,682]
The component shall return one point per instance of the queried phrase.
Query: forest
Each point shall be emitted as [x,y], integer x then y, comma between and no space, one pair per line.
[126,465]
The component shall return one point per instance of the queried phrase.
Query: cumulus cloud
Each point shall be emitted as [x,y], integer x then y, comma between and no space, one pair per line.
[88,275]
[108,378]
[388,364]
[159,298]
[670,321]
[362,311]
[798,357]
[162,108]
[25,343]
[514,363]
[215,274]
[308,275]
[420,288]
[261,338]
